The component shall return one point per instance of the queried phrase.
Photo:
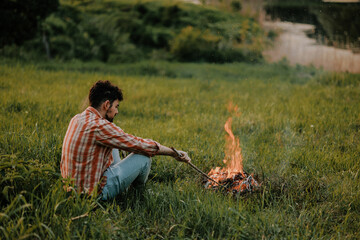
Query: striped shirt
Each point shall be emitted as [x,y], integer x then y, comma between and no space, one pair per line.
[87,147]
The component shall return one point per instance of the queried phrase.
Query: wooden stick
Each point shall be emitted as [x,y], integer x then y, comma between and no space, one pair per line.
[198,170]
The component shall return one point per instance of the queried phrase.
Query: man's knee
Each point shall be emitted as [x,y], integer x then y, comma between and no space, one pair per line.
[143,159]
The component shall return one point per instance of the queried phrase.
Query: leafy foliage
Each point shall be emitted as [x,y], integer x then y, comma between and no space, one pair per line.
[123,31]
[19,19]
[191,44]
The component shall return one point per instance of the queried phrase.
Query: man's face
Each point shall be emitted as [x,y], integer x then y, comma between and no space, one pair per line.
[112,111]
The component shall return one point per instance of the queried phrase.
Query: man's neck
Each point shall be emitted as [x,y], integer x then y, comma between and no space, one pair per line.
[101,113]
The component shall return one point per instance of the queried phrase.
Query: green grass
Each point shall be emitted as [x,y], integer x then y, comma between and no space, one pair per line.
[299,130]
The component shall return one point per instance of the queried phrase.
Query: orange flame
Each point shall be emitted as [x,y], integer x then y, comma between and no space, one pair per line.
[233,173]
[233,157]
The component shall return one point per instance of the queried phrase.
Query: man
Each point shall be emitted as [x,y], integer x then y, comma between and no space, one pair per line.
[90,155]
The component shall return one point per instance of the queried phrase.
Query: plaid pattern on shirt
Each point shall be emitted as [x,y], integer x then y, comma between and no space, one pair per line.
[87,147]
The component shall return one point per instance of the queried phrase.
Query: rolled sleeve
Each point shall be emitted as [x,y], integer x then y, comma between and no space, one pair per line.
[110,135]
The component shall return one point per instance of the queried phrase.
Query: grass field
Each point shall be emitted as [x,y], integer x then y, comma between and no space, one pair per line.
[299,130]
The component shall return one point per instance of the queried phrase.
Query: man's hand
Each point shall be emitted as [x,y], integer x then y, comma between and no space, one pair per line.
[182,156]
[177,154]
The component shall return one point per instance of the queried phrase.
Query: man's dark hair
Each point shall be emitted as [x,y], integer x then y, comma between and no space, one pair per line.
[102,91]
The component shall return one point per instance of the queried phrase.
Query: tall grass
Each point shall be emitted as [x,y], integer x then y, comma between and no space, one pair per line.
[299,130]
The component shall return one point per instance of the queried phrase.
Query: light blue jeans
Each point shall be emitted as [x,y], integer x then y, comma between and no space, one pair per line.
[135,168]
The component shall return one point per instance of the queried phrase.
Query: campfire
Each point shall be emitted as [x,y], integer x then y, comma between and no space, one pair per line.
[232,176]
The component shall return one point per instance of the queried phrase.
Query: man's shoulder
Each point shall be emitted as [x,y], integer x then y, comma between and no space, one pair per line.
[92,118]
[84,118]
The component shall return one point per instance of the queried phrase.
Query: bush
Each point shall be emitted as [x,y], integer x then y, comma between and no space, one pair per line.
[122,31]
[20,19]
[193,45]
[236,5]
[126,52]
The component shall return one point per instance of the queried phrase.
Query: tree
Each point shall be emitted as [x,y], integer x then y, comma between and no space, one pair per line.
[19,19]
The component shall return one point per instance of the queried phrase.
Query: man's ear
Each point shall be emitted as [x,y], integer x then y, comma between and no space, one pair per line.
[106,105]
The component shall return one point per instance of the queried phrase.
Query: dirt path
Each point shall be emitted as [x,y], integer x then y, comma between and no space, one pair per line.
[300,49]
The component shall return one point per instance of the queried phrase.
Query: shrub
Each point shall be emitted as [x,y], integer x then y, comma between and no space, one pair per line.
[192,45]
[123,31]
[236,5]
[126,52]
[20,19]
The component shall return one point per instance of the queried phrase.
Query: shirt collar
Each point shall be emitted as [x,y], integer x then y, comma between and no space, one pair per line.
[94,111]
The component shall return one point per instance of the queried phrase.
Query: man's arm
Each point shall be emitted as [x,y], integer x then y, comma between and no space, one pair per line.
[111,135]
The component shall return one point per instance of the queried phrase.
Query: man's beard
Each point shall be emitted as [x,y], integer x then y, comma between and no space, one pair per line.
[108,118]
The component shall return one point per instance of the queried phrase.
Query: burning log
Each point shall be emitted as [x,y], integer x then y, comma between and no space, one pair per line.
[236,183]
[233,177]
